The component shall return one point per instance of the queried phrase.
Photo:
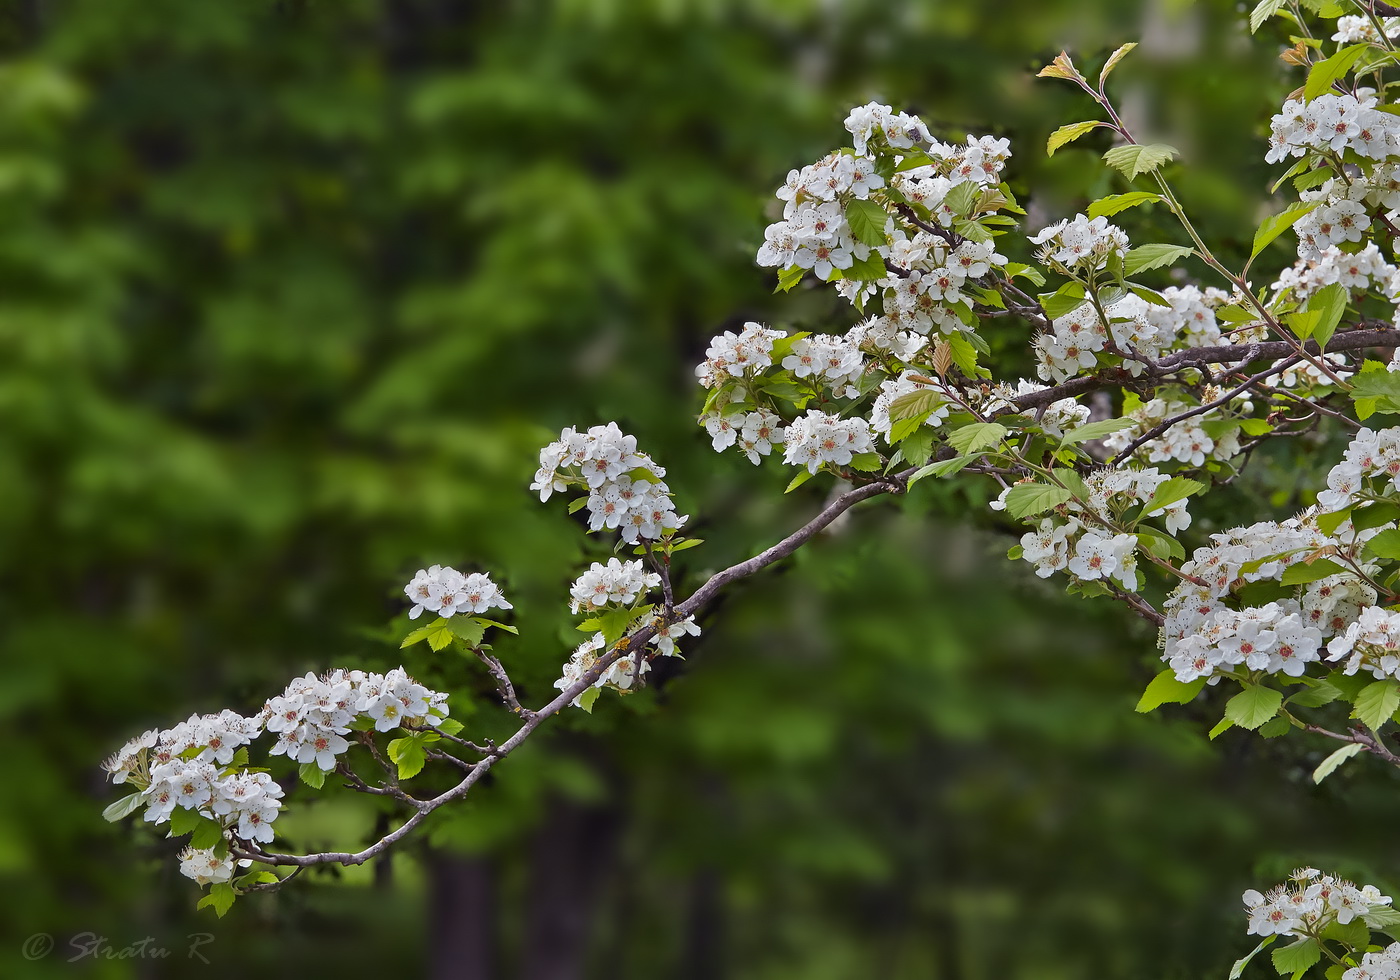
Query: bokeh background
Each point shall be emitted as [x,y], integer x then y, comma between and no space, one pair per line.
[290,295]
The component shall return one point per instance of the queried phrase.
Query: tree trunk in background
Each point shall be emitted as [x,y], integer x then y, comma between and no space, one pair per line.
[462,923]
[704,940]
[569,860]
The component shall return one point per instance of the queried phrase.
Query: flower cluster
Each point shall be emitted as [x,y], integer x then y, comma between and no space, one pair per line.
[206,867]
[1354,30]
[188,766]
[1080,244]
[1358,271]
[616,583]
[625,488]
[1203,637]
[1077,540]
[814,233]
[733,355]
[1308,903]
[818,438]
[1371,462]
[446,591]
[1381,965]
[1335,123]
[834,361]
[622,674]
[1372,642]
[893,251]
[1187,441]
[313,715]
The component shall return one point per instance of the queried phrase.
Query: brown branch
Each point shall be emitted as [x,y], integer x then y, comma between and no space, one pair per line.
[637,641]
[1194,357]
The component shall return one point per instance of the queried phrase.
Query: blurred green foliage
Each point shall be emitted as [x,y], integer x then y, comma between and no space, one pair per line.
[291,293]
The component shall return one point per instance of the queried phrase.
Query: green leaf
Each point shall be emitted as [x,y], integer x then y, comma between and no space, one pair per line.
[1111,205]
[1160,543]
[1028,272]
[1166,689]
[915,404]
[1238,968]
[438,633]
[1384,545]
[1223,726]
[1328,523]
[1095,430]
[469,631]
[312,775]
[867,220]
[409,754]
[1330,302]
[1277,224]
[207,835]
[586,699]
[1316,695]
[964,353]
[868,269]
[123,807]
[1173,490]
[1069,133]
[183,821]
[1377,703]
[1324,73]
[945,467]
[1030,499]
[976,437]
[1383,386]
[1276,727]
[220,898]
[1253,706]
[1135,159]
[789,277]
[1144,258]
[577,505]
[1113,60]
[1305,572]
[450,726]
[1329,765]
[1262,12]
[1363,518]
[799,479]
[962,197]
[500,626]
[1066,299]
[1296,957]
[917,448]
[867,462]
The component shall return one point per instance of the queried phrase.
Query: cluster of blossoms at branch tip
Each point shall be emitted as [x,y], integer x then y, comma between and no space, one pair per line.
[1371,465]
[735,355]
[1335,123]
[818,437]
[616,583]
[1354,30]
[625,488]
[1204,637]
[1309,902]
[446,591]
[190,766]
[1358,272]
[1081,244]
[919,274]
[622,675]
[206,867]
[314,714]
[1079,540]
